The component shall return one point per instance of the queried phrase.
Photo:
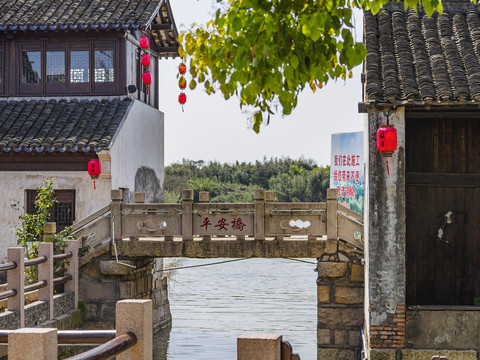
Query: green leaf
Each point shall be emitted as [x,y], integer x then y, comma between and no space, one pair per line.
[258,119]
[294,61]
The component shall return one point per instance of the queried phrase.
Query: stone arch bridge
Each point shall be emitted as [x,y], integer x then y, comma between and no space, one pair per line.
[126,237]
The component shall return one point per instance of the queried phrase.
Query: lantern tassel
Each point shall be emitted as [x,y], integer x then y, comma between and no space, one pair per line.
[388,170]
[183,109]
[94,186]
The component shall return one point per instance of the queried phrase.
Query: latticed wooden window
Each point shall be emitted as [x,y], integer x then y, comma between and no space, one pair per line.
[31,67]
[104,70]
[55,66]
[80,66]
[62,213]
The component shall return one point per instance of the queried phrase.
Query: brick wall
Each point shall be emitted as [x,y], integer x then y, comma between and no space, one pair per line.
[340,298]
[389,334]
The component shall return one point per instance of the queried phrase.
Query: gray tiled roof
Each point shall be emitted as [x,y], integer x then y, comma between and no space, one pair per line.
[60,125]
[412,58]
[70,14]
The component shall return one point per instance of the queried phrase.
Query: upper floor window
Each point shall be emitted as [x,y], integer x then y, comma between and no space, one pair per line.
[65,67]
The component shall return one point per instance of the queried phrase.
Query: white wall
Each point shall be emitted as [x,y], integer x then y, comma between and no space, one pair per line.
[139,143]
[12,197]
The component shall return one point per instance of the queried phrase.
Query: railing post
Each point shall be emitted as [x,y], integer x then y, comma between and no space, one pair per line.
[187,214]
[138,198]
[259,214]
[259,347]
[116,212]
[204,198]
[49,230]
[16,281]
[136,316]
[332,207]
[72,269]
[45,272]
[33,343]
[270,198]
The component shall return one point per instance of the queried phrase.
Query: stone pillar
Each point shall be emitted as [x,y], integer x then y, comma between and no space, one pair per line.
[116,210]
[16,281]
[259,347]
[49,230]
[33,343]
[385,236]
[187,214]
[259,214]
[72,268]
[45,272]
[340,310]
[136,316]
[204,198]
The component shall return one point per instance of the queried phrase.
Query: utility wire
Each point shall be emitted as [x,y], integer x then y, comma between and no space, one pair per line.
[229,261]
[201,265]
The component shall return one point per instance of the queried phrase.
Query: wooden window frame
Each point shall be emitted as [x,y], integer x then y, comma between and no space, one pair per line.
[62,196]
[44,88]
[55,88]
[30,88]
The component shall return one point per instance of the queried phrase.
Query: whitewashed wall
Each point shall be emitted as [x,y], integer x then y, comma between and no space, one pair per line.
[137,154]
[13,197]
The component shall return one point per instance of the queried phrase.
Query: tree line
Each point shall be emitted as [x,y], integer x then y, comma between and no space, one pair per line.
[291,179]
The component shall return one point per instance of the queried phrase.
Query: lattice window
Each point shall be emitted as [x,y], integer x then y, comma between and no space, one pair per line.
[55,66]
[79,66]
[104,66]
[31,67]
[63,214]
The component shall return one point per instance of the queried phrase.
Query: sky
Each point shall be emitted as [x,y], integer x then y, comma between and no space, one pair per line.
[211,128]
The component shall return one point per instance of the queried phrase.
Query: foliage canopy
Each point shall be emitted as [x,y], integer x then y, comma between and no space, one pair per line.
[267,51]
[292,180]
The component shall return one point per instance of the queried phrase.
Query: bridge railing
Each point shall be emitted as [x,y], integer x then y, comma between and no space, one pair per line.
[264,218]
[16,289]
[132,339]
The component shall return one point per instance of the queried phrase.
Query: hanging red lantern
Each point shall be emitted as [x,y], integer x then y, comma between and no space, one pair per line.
[147,78]
[144,43]
[145,60]
[94,170]
[386,140]
[182,98]
[182,83]
[182,68]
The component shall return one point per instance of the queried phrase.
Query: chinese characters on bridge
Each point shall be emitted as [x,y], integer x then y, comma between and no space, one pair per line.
[222,224]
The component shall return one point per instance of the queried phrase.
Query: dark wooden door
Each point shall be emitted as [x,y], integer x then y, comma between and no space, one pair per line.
[443,210]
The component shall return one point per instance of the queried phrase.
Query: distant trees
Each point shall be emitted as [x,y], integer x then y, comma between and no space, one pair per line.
[292,180]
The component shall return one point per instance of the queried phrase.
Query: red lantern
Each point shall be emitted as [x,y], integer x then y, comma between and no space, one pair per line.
[144,43]
[386,140]
[145,60]
[94,170]
[182,68]
[182,83]
[182,98]
[147,78]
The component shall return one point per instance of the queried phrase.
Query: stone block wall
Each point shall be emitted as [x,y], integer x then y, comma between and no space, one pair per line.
[340,295]
[103,282]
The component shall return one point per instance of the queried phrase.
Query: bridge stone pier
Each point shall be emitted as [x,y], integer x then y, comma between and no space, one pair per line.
[128,241]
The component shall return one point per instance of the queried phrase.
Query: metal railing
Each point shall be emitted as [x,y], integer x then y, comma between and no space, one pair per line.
[15,267]
[132,337]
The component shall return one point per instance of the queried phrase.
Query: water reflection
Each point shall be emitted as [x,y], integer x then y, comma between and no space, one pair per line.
[212,306]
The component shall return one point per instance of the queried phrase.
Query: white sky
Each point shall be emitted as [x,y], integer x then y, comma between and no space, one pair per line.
[212,128]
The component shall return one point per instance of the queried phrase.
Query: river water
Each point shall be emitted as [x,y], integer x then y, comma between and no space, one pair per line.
[213,305]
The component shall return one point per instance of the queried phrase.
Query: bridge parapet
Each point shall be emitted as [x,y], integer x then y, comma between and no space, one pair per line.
[260,220]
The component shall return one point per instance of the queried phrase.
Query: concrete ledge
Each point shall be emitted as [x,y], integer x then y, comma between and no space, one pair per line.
[223,248]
